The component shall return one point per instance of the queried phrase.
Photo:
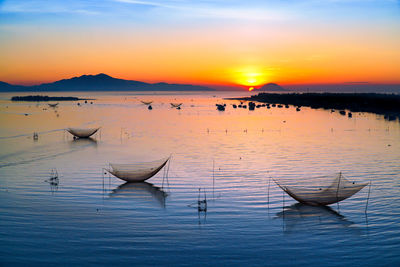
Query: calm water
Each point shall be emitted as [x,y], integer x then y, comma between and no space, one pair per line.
[95,219]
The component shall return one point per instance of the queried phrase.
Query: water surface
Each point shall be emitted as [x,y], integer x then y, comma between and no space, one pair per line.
[95,219]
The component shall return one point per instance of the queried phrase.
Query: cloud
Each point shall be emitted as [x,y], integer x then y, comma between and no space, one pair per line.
[216,9]
[147,3]
[50,7]
[257,10]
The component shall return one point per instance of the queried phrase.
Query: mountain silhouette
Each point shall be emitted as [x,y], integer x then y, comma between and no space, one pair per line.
[272,87]
[102,82]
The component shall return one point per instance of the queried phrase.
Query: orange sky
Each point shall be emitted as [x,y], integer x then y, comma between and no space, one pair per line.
[233,51]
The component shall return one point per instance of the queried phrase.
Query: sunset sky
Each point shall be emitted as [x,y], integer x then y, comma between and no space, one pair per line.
[223,42]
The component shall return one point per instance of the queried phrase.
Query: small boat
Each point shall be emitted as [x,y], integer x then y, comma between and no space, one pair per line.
[339,189]
[252,105]
[82,132]
[53,105]
[220,107]
[137,172]
[147,102]
[175,105]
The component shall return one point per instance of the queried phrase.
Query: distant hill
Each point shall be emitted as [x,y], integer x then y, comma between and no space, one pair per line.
[272,87]
[101,82]
[9,87]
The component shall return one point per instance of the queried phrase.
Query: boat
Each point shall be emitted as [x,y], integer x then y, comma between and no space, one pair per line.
[337,190]
[82,132]
[220,107]
[147,102]
[175,105]
[252,105]
[137,172]
[53,105]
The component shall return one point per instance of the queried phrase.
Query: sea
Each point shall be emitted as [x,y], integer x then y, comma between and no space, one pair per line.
[229,159]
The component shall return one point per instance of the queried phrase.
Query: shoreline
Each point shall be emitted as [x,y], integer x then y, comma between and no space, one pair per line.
[45,98]
[382,104]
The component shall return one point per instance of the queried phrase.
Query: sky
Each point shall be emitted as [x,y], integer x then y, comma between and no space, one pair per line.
[225,42]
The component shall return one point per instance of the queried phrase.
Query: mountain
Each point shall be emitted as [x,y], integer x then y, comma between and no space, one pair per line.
[272,87]
[4,87]
[102,82]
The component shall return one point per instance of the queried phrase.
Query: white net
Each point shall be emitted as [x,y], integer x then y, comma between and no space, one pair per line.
[82,132]
[137,172]
[322,190]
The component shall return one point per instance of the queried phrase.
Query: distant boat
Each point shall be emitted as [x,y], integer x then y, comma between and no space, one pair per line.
[137,172]
[53,105]
[220,107]
[82,132]
[147,102]
[175,105]
[342,112]
[252,105]
[339,189]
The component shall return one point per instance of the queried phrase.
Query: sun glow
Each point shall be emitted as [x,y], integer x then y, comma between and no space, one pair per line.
[250,77]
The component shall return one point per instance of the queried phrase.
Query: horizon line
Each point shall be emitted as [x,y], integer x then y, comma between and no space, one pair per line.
[38,83]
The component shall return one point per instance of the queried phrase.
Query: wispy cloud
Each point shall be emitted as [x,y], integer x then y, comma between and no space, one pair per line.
[216,9]
[258,10]
[40,6]
[148,3]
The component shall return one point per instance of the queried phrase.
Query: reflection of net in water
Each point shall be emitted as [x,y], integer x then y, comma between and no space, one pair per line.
[301,217]
[53,181]
[140,191]
[323,190]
